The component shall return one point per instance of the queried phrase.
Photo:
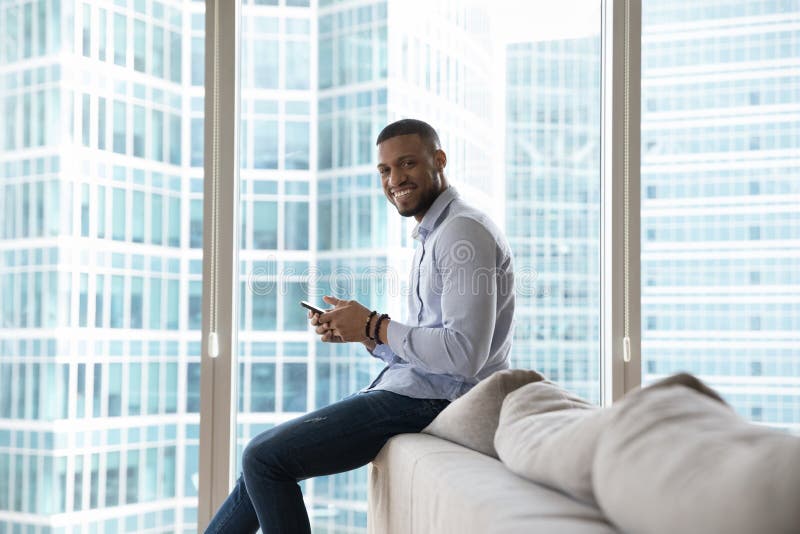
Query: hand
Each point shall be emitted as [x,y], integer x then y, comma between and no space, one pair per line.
[346,319]
[327,335]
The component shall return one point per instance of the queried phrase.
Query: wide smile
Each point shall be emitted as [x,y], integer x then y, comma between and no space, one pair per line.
[399,195]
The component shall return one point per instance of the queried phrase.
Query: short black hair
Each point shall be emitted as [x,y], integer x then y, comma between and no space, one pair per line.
[408,127]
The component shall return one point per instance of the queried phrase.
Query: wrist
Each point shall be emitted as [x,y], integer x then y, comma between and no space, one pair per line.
[381,332]
[368,327]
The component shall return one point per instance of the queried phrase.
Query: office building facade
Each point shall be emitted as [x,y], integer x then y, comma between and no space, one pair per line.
[553,207]
[720,184]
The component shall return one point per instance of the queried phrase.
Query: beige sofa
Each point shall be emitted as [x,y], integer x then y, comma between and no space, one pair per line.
[421,484]
[516,457]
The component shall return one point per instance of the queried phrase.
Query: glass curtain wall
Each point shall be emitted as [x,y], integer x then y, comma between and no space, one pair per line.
[552,205]
[276,215]
[720,183]
[100,264]
[318,83]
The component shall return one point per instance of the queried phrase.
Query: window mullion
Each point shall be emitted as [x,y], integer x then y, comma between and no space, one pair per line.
[220,257]
[620,302]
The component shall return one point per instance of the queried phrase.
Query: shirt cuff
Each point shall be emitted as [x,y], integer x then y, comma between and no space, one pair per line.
[396,334]
[383,352]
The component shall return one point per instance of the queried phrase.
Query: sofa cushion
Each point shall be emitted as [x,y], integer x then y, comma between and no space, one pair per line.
[472,419]
[675,460]
[420,484]
[548,435]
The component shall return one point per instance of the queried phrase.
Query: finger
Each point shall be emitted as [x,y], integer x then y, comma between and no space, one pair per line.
[331,300]
[314,319]
[334,337]
[322,329]
[328,316]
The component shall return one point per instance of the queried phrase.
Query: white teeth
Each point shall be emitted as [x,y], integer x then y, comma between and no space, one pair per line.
[402,193]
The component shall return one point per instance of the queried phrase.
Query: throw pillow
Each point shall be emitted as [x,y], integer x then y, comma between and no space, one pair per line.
[674,459]
[548,435]
[471,420]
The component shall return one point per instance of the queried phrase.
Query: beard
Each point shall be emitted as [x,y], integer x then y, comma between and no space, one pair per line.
[421,206]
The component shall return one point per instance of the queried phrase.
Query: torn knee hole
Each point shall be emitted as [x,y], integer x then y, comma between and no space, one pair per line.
[315,420]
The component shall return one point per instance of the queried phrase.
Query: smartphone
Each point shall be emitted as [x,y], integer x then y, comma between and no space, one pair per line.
[311,307]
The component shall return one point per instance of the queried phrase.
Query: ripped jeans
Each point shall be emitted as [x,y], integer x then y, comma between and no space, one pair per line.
[337,438]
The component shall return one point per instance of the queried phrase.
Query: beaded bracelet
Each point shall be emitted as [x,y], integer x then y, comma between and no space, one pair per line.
[366,324]
[376,333]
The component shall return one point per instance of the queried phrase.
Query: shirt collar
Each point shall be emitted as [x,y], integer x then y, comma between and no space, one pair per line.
[431,218]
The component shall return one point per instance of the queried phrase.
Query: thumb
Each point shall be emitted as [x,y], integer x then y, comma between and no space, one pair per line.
[331,300]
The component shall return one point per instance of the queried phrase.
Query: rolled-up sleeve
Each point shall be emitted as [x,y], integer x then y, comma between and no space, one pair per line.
[466,256]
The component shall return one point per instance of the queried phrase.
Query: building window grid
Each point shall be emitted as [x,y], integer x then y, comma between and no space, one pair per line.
[122,26]
[277,187]
[734,94]
[98,483]
[718,184]
[562,324]
[30,93]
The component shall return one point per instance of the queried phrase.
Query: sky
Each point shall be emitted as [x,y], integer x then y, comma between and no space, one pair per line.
[533,20]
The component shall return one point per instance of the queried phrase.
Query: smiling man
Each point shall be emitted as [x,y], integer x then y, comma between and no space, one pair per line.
[458,332]
[419,164]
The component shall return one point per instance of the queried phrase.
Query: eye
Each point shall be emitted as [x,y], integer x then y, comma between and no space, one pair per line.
[408,164]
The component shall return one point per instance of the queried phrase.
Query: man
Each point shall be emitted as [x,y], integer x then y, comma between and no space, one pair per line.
[461,308]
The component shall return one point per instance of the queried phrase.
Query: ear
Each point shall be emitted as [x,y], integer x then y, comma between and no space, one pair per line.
[441,159]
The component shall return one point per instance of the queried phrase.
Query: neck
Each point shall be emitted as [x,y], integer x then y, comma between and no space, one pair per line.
[421,215]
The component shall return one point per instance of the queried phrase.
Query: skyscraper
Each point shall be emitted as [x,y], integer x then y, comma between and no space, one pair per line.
[719,182]
[99,265]
[553,207]
[721,200]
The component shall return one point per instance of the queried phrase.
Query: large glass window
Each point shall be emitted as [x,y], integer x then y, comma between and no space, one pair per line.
[720,221]
[314,219]
[101,187]
[552,206]
[99,337]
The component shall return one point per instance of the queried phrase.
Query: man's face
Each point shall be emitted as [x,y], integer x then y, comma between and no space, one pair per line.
[411,174]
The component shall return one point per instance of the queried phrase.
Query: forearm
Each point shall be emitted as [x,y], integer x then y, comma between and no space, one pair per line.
[439,350]
[448,349]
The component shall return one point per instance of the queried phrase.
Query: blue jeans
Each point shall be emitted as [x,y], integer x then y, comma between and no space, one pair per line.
[337,438]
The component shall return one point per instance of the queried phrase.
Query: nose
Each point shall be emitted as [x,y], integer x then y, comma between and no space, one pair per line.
[396,178]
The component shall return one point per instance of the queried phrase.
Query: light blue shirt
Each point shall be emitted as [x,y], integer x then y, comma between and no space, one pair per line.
[460,304]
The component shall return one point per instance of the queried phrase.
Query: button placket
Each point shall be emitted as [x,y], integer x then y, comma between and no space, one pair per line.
[419,275]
